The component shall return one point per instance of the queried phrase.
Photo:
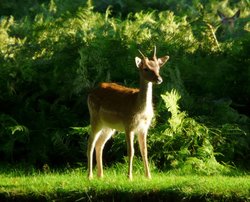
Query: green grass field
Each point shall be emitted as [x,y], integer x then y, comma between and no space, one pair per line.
[73,185]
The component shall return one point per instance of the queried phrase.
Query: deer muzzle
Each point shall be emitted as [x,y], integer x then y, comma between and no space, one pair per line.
[159,80]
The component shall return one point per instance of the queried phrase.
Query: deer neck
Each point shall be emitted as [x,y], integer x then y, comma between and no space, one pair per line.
[145,94]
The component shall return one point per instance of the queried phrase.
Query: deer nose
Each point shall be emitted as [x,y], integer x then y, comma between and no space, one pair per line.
[159,80]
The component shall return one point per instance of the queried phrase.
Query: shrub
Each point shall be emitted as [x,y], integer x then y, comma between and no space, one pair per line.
[182,142]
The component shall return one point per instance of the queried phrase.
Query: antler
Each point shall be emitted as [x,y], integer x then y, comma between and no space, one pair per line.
[141,54]
[154,56]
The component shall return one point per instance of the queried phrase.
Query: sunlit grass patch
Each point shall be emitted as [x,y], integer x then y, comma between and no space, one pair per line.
[72,184]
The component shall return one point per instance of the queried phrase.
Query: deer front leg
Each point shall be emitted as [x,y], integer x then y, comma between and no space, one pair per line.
[130,148]
[142,138]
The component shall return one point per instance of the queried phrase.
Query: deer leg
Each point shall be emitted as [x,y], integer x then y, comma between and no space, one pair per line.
[91,145]
[142,139]
[130,148]
[100,143]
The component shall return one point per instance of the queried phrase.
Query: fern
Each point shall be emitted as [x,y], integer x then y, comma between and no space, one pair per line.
[10,134]
[184,142]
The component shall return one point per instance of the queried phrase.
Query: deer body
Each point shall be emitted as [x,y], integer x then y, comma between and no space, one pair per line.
[120,108]
[115,107]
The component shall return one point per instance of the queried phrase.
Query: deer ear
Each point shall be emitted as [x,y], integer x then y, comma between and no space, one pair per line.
[163,60]
[236,15]
[138,61]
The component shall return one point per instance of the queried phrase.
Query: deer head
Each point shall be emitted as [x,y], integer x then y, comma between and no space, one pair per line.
[149,69]
[228,23]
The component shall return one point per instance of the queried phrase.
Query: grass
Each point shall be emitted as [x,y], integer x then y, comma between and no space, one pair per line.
[72,185]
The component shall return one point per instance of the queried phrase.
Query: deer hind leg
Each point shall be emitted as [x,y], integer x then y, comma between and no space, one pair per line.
[95,133]
[130,149]
[100,143]
[142,139]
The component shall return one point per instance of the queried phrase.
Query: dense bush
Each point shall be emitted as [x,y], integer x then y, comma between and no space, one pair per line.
[54,53]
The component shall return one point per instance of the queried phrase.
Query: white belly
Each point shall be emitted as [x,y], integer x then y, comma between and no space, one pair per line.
[138,123]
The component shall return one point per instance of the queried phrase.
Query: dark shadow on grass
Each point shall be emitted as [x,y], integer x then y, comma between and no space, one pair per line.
[169,195]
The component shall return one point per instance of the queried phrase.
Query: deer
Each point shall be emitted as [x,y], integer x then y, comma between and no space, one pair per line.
[227,27]
[113,107]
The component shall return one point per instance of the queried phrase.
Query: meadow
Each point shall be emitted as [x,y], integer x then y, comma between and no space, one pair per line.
[73,185]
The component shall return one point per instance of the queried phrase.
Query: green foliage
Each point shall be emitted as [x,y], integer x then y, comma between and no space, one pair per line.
[54,52]
[183,142]
[11,134]
[232,144]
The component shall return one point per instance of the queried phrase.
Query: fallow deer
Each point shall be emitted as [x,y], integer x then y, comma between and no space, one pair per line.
[228,26]
[115,107]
